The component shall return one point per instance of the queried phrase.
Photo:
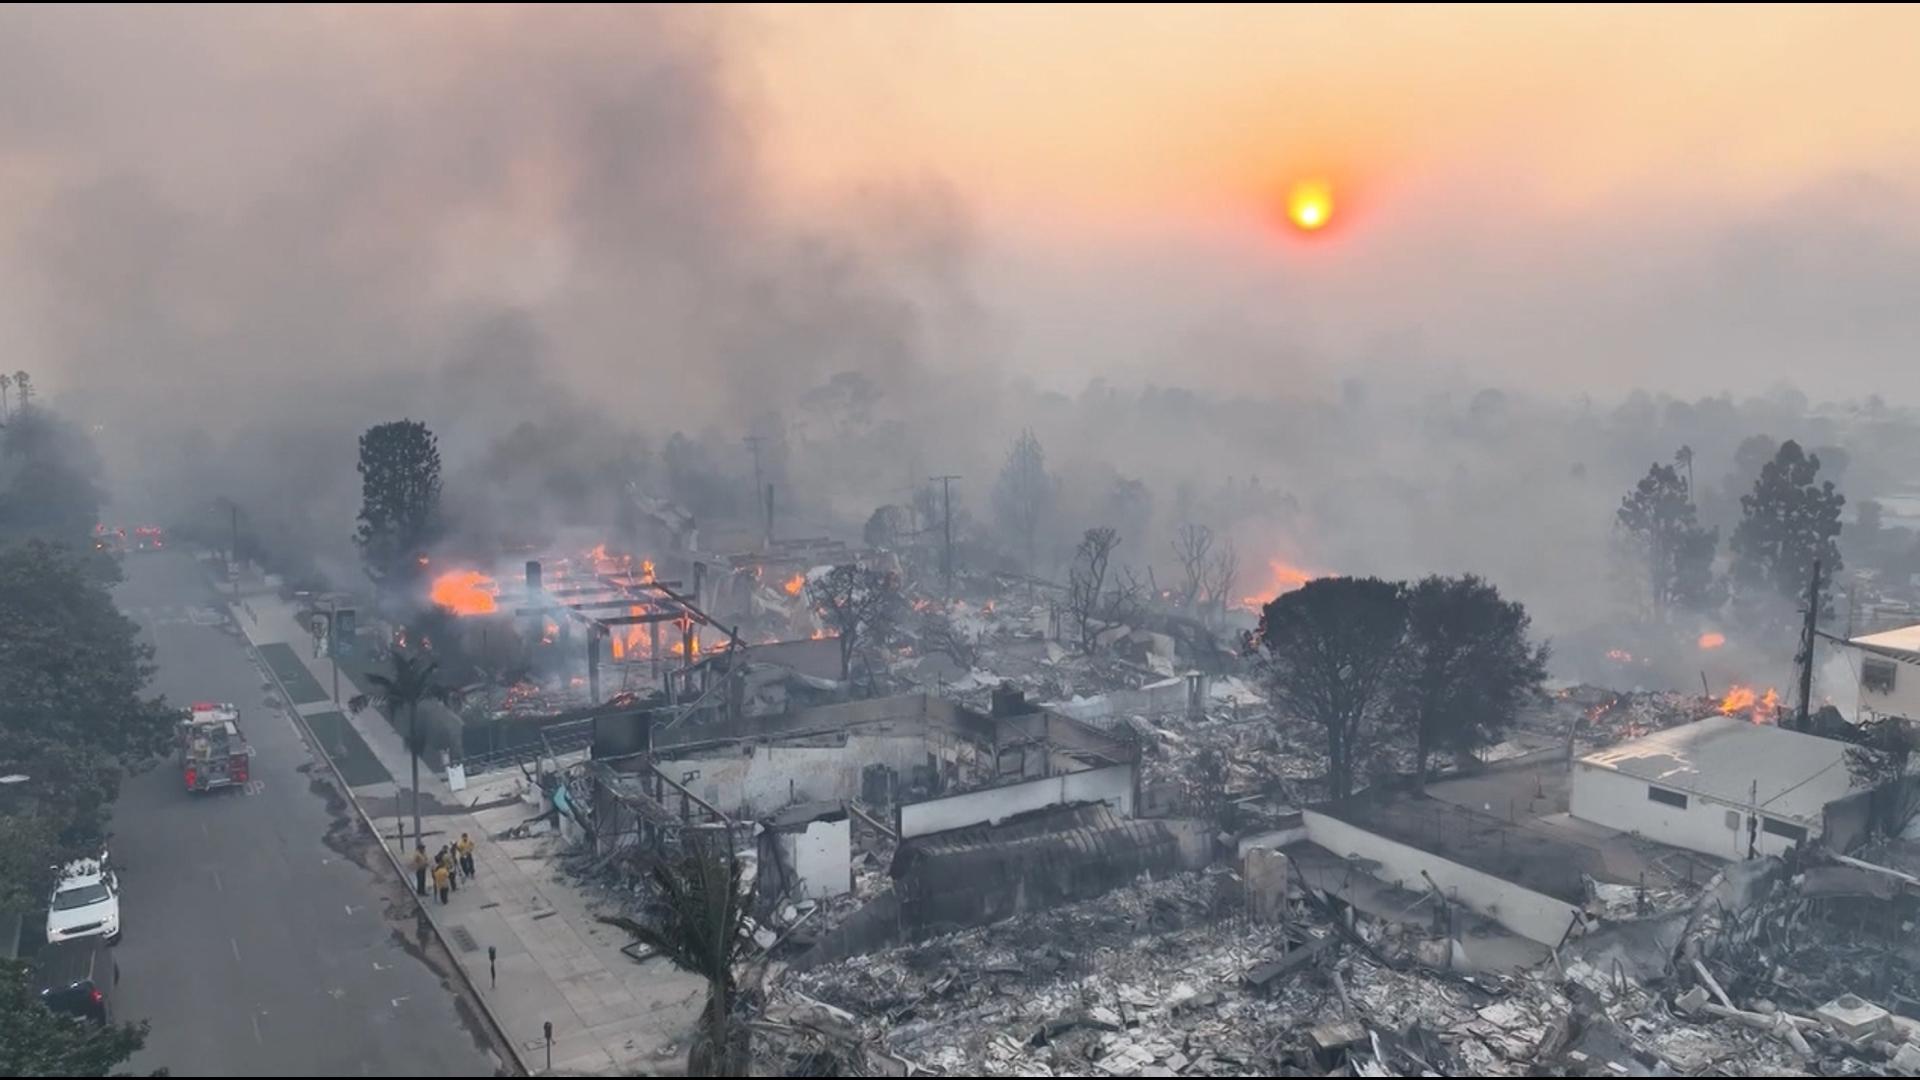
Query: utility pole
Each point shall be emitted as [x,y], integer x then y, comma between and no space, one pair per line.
[769,517]
[233,546]
[753,446]
[1804,719]
[946,528]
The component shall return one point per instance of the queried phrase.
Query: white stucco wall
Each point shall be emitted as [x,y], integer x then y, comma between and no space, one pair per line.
[755,779]
[1535,916]
[1618,801]
[821,858]
[1112,785]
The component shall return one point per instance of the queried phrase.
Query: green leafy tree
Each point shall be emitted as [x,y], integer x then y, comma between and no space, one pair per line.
[49,480]
[410,685]
[72,714]
[1023,495]
[1469,666]
[1676,550]
[697,919]
[399,497]
[1790,519]
[1328,653]
[37,1042]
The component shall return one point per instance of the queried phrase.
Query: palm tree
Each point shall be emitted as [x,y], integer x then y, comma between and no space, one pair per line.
[411,683]
[22,384]
[5,381]
[698,922]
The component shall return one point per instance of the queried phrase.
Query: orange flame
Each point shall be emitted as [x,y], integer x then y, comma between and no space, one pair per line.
[1712,639]
[1621,656]
[635,638]
[794,584]
[549,632]
[646,569]
[466,592]
[1286,578]
[1758,707]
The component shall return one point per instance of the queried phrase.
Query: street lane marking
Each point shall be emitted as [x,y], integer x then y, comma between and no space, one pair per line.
[401,998]
[349,908]
[217,887]
[256,1029]
[255,787]
[236,949]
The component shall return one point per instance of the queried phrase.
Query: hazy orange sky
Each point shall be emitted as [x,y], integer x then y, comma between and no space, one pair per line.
[1106,115]
[1579,199]
[1562,195]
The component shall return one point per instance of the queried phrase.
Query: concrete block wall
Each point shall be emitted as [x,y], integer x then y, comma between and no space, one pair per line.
[1532,915]
[1112,785]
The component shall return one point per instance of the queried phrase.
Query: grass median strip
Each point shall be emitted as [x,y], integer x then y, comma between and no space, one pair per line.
[348,750]
[300,683]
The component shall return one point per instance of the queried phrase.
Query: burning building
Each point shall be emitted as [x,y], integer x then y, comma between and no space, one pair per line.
[610,606]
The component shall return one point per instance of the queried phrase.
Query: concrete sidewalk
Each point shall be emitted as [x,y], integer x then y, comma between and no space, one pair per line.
[556,963]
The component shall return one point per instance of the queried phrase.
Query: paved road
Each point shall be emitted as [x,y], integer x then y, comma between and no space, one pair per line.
[260,935]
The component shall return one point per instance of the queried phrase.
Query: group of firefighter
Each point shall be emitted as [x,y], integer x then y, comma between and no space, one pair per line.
[445,868]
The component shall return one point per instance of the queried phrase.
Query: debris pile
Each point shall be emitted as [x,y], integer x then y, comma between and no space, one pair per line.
[1171,977]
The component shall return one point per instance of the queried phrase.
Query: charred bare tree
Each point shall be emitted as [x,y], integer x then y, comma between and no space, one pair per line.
[1097,598]
[1193,546]
[1329,651]
[1208,570]
[1217,578]
[939,635]
[1023,495]
[855,603]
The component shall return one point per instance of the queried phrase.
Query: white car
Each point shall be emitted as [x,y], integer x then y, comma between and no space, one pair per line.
[86,903]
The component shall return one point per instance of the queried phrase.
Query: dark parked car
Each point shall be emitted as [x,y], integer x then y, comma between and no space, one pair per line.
[77,978]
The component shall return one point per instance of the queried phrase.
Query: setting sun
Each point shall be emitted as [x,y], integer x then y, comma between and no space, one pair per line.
[1310,205]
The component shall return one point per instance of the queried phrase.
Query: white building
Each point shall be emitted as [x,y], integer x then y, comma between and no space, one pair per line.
[1718,784]
[1890,672]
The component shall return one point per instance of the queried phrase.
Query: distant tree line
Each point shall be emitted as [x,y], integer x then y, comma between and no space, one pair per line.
[1789,520]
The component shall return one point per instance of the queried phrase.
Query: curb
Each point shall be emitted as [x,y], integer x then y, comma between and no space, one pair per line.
[473,989]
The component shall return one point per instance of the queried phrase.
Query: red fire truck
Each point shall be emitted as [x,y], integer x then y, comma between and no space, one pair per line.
[213,753]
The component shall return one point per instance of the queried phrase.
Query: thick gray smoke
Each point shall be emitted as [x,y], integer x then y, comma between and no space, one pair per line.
[236,238]
[258,225]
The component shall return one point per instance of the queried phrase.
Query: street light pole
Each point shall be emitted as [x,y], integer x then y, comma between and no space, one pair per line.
[333,645]
[413,752]
[233,545]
